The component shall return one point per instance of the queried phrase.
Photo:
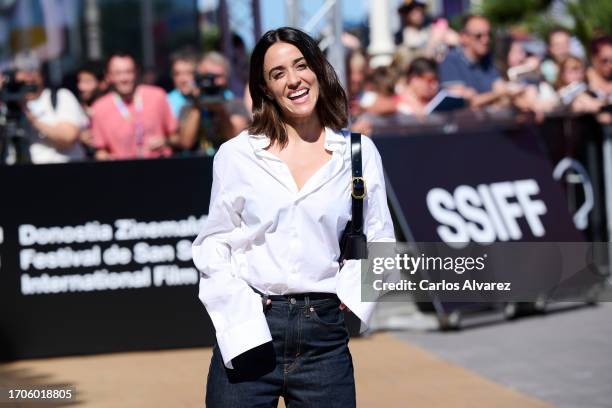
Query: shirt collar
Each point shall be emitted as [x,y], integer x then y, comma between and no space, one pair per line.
[466,60]
[259,142]
[478,63]
[334,141]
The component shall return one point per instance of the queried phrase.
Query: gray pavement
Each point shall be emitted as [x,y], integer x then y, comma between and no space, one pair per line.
[563,357]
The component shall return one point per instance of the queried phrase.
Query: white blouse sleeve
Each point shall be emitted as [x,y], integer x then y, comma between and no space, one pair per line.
[378,227]
[234,308]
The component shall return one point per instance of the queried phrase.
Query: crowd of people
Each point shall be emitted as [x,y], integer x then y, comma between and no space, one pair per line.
[436,69]
[116,115]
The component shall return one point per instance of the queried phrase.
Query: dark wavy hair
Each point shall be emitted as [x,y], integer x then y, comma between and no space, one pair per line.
[332,105]
[598,43]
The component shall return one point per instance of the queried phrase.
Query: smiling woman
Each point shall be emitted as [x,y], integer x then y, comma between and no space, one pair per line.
[268,253]
[292,62]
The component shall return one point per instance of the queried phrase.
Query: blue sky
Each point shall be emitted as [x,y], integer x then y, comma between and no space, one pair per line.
[273,11]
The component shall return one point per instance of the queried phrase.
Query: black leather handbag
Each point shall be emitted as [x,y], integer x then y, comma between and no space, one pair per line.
[353,243]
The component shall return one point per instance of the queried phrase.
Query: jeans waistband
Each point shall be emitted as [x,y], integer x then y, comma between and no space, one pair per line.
[299,296]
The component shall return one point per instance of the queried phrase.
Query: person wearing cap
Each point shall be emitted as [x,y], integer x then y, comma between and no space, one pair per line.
[418,37]
[52,118]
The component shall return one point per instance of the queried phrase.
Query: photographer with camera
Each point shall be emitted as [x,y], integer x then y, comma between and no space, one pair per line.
[45,123]
[212,114]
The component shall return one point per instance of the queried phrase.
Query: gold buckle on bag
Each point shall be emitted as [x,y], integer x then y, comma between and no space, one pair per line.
[353,181]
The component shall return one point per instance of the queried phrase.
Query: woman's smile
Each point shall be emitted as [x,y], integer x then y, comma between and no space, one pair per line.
[300,96]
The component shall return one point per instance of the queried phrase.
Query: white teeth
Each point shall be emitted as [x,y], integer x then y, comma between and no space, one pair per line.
[298,93]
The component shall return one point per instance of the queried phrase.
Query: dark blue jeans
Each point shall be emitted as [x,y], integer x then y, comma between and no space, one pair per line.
[308,362]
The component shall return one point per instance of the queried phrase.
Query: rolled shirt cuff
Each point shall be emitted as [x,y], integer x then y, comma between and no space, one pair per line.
[243,337]
[348,289]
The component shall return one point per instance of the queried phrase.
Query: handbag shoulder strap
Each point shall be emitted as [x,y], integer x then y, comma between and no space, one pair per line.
[358,187]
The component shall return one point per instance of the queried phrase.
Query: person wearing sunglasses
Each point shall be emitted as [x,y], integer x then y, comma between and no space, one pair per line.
[468,71]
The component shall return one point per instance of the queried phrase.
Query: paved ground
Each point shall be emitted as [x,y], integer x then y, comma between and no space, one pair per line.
[389,373]
[563,357]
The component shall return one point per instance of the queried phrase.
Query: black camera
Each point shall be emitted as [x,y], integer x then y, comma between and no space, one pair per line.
[13,92]
[210,92]
[12,132]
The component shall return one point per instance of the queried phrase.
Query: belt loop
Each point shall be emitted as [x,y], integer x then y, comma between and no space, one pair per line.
[307,305]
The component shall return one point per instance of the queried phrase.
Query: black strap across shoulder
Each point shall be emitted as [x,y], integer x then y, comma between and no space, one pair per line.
[353,242]
[358,184]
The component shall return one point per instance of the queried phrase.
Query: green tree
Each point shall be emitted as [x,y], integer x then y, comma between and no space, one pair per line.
[504,12]
[591,18]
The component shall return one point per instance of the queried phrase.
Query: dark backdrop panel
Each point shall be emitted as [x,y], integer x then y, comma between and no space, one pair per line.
[417,164]
[153,317]
[165,316]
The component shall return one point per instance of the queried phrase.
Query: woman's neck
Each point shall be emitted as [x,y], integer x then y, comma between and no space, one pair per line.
[304,130]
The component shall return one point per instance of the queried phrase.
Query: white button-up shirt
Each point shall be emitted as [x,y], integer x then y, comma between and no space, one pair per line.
[261,231]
